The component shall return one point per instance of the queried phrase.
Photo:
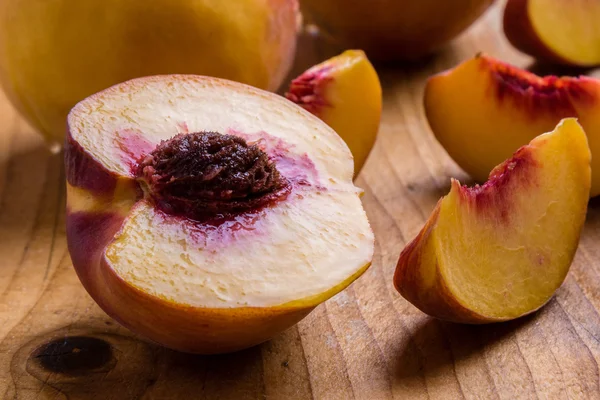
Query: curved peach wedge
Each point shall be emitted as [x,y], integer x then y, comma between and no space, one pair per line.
[207,215]
[499,251]
[345,92]
[559,31]
[483,110]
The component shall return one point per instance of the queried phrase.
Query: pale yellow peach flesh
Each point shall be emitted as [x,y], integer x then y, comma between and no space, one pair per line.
[499,251]
[196,286]
[564,32]
[483,110]
[345,93]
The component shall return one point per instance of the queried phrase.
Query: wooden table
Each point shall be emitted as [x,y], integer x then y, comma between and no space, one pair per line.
[365,343]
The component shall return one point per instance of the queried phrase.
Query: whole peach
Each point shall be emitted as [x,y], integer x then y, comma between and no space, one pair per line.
[394,29]
[55,53]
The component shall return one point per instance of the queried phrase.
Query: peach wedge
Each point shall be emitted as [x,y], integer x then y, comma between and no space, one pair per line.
[559,31]
[483,110]
[345,92]
[499,251]
[207,215]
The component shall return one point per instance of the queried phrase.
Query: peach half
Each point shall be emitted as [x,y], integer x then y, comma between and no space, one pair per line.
[345,92]
[565,32]
[207,215]
[499,251]
[483,110]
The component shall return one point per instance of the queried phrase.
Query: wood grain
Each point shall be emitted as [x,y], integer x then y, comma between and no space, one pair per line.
[365,343]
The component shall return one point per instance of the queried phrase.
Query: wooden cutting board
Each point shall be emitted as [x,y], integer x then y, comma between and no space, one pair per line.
[365,343]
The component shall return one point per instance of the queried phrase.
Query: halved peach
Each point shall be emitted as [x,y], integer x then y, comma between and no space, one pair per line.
[499,251]
[207,215]
[483,110]
[345,92]
[560,31]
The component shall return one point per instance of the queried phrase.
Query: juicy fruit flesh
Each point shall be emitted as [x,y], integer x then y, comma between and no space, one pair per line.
[568,28]
[315,240]
[549,93]
[504,248]
[295,250]
[344,92]
[483,110]
[308,89]
[156,113]
[550,89]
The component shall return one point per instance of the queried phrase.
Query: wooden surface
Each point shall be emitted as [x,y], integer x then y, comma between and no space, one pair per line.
[365,343]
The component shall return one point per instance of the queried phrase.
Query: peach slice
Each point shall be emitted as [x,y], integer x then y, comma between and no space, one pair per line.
[499,251]
[345,92]
[565,32]
[207,215]
[483,110]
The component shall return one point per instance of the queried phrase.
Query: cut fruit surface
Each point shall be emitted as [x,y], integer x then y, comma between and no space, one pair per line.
[565,32]
[483,110]
[499,251]
[271,223]
[345,92]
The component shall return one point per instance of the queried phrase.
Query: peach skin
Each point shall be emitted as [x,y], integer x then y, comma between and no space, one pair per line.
[207,215]
[499,251]
[344,92]
[55,53]
[390,30]
[483,110]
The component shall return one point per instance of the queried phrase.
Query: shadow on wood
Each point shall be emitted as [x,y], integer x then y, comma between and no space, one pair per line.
[594,204]
[440,345]
[32,199]
[542,69]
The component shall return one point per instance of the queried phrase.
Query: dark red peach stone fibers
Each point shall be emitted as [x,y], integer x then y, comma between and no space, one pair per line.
[205,175]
